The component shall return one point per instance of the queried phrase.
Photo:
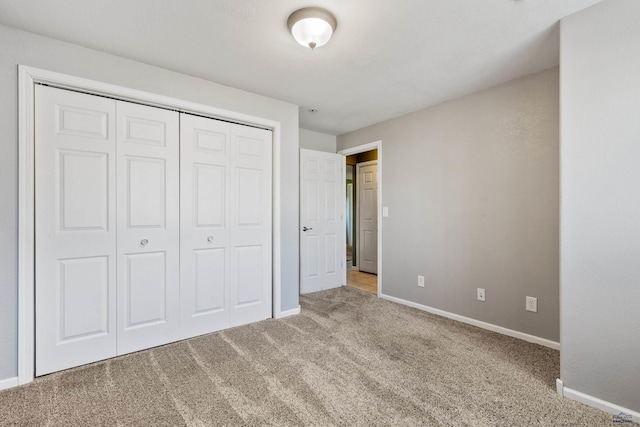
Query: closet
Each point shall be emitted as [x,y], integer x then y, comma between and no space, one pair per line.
[151,226]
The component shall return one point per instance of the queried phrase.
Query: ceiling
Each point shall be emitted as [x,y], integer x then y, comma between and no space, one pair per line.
[386,58]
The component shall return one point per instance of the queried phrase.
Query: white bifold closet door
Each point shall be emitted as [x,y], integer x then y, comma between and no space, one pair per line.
[151,226]
[107,228]
[225,225]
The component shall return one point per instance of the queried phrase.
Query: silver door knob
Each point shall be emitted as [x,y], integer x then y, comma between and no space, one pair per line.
[210,239]
[143,242]
[306,229]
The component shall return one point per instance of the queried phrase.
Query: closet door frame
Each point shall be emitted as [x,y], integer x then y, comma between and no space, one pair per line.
[28,77]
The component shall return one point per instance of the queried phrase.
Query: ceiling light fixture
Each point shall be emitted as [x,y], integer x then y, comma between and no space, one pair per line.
[312,26]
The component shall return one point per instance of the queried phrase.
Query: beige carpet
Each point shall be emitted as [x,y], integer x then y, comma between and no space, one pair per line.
[348,359]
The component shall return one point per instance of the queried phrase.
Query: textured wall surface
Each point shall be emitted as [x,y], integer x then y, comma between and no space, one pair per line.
[19,47]
[600,220]
[472,189]
[312,140]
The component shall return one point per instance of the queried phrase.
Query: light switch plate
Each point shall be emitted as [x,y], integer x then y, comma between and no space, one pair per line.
[385,211]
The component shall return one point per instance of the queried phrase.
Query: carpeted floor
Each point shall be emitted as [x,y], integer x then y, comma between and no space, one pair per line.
[348,359]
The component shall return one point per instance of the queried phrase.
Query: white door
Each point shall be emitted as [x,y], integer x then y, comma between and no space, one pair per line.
[148,226]
[322,233]
[250,292]
[225,225]
[75,228]
[108,227]
[367,183]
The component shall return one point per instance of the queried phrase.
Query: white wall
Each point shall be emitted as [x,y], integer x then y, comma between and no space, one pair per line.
[472,189]
[19,47]
[600,219]
[312,140]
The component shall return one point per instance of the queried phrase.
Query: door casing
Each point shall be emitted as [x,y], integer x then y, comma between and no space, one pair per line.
[375,145]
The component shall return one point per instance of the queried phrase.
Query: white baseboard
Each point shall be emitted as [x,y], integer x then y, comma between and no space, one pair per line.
[594,402]
[8,383]
[288,313]
[484,325]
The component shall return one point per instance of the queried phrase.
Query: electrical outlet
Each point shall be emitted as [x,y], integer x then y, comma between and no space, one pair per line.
[421,281]
[481,294]
[532,304]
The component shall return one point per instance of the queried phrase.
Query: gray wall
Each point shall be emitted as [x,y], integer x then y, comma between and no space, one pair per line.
[312,140]
[18,47]
[600,219]
[472,190]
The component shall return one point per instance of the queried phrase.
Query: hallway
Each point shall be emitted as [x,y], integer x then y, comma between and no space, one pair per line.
[365,281]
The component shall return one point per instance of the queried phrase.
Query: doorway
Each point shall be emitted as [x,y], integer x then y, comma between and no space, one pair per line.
[362,216]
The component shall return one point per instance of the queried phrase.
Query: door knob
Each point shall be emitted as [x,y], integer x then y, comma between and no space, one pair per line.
[143,242]
[306,229]
[210,239]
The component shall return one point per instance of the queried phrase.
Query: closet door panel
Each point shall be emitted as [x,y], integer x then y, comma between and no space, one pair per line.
[75,228]
[148,227]
[205,204]
[250,225]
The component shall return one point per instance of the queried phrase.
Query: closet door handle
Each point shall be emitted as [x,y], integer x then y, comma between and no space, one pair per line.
[306,229]
[144,242]
[210,239]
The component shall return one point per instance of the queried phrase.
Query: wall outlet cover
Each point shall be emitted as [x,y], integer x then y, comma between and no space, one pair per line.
[481,294]
[532,304]
[421,281]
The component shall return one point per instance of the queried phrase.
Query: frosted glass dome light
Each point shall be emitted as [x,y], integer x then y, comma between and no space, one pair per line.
[312,26]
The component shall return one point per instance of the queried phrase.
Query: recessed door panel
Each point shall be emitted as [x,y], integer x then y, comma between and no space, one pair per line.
[146,192]
[84,190]
[249,147]
[144,131]
[210,280]
[84,297]
[249,284]
[312,204]
[330,253]
[330,201]
[368,239]
[249,185]
[312,255]
[146,288]
[311,166]
[82,122]
[368,205]
[331,167]
[211,141]
[209,183]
